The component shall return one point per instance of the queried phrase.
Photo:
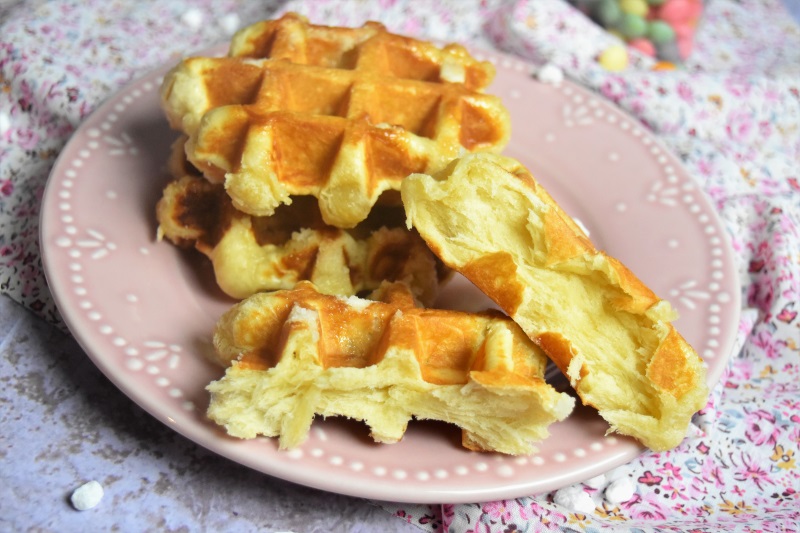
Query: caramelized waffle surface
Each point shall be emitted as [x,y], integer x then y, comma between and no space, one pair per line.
[250,254]
[605,329]
[341,114]
[299,353]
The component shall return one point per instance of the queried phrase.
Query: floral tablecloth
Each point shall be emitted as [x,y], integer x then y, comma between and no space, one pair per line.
[732,114]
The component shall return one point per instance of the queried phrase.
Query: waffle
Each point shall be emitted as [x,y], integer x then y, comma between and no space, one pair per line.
[606,331]
[250,254]
[299,353]
[341,114]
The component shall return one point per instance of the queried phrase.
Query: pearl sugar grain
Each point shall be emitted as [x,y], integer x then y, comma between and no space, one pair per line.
[87,496]
[620,490]
[575,499]
[550,73]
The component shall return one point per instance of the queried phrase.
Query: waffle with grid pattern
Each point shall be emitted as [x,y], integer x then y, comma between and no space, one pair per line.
[341,114]
[250,254]
[297,354]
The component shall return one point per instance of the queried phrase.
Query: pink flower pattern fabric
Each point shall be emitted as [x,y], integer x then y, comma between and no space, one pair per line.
[732,114]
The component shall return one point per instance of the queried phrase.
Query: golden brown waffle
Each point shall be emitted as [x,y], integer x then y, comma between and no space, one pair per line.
[605,329]
[342,114]
[299,353]
[250,254]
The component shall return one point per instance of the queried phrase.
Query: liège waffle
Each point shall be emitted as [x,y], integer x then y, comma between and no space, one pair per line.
[488,218]
[299,353]
[250,254]
[342,114]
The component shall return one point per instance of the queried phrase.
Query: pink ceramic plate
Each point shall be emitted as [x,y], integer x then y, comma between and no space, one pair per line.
[144,311]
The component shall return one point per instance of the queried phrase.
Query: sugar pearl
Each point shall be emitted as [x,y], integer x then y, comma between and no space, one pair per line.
[575,499]
[230,23]
[5,123]
[87,495]
[550,74]
[620,490]
[193,18]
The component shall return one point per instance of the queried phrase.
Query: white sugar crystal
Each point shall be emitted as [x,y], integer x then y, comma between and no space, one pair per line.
[5,123]
[574,499]
[230,23]
[87,495]
[550,73]
[193,18]
[620,490]
[359,304]
[596,482]
[303,315]
[453,72]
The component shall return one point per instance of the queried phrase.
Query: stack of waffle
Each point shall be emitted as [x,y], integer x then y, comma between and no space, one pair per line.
[294,147]
[250,253]
[305,157]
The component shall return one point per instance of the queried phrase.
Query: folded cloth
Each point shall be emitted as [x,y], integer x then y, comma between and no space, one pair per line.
[732,114]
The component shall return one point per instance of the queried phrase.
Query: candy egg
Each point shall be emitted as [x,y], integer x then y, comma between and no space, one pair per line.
[685,46]
[635,7]
[660,32]
[614,58]
[695,9]
[617,34]
[583,5]
[632,26]
[676,11]
[643,45]
[607,12]
[682,29]
[663,65]
[669,52]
